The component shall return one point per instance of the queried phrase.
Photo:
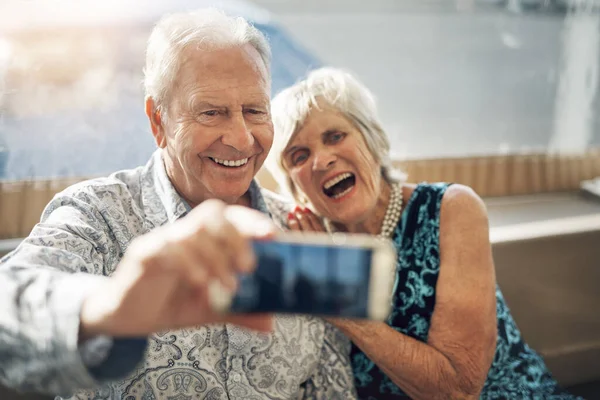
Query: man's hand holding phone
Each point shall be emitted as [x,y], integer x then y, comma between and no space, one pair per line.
[162,281]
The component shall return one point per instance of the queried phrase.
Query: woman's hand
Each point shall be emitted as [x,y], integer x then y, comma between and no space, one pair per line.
[303,219]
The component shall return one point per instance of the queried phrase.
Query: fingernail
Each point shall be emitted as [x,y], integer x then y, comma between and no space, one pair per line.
[297,209]
[220,298]
[306,210]
[290,216]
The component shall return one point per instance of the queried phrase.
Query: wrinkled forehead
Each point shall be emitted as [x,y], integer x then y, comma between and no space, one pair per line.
[319,118]
[232,73]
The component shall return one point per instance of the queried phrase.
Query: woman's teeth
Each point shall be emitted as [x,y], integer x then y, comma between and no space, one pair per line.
[336,179]
[345,192]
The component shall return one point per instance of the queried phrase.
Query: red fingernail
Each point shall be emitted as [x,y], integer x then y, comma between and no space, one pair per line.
[306,210]
[290,216]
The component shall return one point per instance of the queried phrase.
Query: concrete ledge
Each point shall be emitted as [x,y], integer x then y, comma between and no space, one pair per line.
[544,229]
[549,274]
[8,245]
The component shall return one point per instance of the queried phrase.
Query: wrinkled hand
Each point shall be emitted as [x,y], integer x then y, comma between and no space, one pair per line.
[161,282]
[304,220]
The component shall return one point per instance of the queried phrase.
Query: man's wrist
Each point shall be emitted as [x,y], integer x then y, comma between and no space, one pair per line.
[94,351]
[94,315]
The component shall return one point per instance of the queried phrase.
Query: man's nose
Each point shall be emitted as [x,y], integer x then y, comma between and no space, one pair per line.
[238,135]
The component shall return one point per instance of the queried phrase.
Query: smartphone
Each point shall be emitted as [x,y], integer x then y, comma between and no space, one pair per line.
[340,275]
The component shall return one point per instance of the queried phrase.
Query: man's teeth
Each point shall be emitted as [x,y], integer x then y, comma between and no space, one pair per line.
[345,192]
[230,163]
[337,179]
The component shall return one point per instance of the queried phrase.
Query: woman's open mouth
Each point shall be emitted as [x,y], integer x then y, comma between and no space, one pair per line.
[339,185]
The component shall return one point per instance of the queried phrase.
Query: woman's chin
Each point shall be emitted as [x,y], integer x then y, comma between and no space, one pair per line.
[349,217]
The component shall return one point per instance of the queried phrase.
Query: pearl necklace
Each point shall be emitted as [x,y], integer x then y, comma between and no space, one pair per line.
[392,214]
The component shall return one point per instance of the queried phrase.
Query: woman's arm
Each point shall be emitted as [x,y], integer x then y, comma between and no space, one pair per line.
[454,362]
[462,338]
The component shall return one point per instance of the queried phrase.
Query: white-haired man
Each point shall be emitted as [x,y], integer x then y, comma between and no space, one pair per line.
[90,299]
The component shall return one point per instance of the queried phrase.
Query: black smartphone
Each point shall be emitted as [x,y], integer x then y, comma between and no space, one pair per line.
[338,275]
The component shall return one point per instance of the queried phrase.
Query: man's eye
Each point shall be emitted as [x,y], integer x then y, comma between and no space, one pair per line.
[210,113]
[253,111]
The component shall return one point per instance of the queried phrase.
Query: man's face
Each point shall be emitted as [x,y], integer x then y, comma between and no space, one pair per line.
[218,130]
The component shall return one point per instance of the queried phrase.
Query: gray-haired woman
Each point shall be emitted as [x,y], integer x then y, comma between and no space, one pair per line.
[450,334]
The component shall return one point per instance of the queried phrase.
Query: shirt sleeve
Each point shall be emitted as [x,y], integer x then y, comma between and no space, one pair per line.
[42,287]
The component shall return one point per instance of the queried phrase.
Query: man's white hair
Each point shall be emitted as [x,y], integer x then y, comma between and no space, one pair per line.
[207,29]
[327,87]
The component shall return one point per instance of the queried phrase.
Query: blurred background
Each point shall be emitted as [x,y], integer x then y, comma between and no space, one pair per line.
[500,95]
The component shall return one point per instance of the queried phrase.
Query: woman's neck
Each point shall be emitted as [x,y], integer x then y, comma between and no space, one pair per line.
[373,221]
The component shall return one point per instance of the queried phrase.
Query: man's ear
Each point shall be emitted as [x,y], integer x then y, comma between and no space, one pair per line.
[156,122]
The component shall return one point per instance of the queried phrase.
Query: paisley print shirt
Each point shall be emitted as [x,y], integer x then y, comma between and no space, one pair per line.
[82,236]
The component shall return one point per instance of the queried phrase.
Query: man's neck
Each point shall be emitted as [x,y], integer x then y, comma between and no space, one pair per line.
[245,200]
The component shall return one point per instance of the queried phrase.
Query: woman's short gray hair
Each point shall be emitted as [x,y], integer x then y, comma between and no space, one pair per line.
[208,29]
[340,90]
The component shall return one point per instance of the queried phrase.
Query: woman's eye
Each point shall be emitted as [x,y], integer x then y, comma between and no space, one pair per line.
[210,113]
[336,137]
[299,157]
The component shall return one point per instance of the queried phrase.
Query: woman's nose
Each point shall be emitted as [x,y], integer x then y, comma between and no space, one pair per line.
[324,161]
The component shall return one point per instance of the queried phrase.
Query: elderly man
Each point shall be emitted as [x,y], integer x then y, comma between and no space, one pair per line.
[90,299]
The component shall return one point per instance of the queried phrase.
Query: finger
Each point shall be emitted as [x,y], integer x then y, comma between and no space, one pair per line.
[313,220]
[187,263]
[193,308]
[251,223]
[219,224]
[292,223]
[213,255]
[304,223]
[159,252]
[204,250]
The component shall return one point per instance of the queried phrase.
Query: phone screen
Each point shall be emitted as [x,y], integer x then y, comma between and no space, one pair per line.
[306,279]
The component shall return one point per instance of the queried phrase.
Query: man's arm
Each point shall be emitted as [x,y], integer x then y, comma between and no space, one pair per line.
[42,287]
[161,283]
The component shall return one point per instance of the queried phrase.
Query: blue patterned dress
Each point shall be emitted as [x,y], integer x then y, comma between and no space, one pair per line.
[517,372]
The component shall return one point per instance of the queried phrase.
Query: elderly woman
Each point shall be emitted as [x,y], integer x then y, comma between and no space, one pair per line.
[450,334]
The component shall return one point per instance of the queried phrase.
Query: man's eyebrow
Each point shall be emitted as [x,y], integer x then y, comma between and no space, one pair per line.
[203,105]
[257,104]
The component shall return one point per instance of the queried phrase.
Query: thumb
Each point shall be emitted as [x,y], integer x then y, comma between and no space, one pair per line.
[251,223]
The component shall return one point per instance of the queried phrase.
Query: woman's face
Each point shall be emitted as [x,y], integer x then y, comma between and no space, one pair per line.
[329,162]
